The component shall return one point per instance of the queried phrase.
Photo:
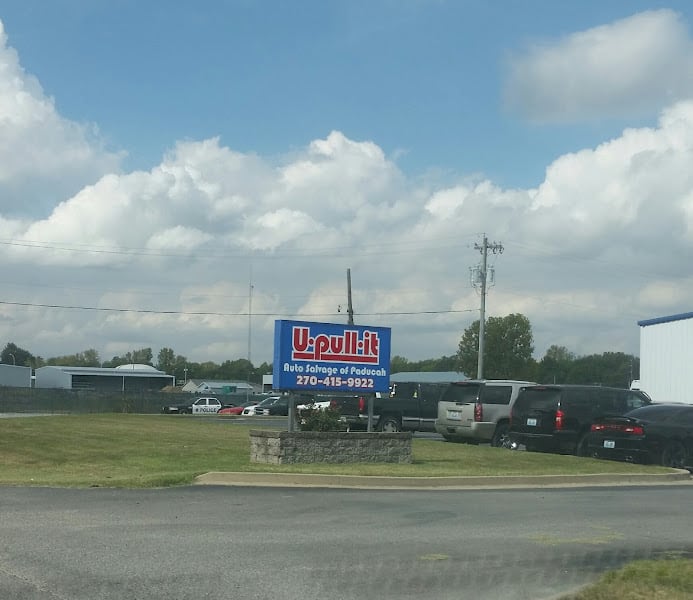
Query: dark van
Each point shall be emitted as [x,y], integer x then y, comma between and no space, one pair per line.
[557,418]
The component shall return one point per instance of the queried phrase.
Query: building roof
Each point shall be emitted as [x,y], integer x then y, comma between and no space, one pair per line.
[221,384]
[137,367]
[669,319]
[428,376]
[107,372]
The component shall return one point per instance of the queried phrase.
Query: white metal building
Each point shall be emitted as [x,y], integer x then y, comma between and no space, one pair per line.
[666,355]
[13,376]
[125,378]
[197,386]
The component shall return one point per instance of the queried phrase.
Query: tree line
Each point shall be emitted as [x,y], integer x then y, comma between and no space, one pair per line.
[508,354]
[509,348]
[167,361]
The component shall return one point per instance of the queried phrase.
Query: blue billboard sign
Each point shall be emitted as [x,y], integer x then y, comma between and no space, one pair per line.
[330,357]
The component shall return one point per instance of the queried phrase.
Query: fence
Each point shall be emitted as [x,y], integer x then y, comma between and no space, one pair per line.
[32,400]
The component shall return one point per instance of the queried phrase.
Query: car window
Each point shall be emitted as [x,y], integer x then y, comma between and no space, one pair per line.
[657,412]
[687,416]
[579,398]
[539,398]
[404,390]
[611,401]
[635,400]
[496,394]
[467,392]
[430,391]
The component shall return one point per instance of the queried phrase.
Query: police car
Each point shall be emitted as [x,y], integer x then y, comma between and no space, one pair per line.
[201,406]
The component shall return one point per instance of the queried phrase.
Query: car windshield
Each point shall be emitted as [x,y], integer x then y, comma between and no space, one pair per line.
[657,412]
[268,401]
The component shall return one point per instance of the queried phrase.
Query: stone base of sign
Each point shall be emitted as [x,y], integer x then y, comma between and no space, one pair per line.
[290,447]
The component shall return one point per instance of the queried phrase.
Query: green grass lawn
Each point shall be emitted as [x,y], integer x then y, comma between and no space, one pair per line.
[120,450]
[643,580]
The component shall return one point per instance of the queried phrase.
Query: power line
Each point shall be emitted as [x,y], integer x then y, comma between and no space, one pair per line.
[328,252]
[226,314]
[189,293]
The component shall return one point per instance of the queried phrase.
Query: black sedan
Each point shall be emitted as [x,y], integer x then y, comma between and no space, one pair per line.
[656,434]
[278,406]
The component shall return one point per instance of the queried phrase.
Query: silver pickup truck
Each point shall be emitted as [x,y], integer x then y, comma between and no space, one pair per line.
[477,410]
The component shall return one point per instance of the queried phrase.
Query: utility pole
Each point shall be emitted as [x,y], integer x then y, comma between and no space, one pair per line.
[250,325]
[350,306]
[482,276]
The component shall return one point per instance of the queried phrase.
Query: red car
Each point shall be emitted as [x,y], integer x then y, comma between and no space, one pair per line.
[230,410]
[235,410]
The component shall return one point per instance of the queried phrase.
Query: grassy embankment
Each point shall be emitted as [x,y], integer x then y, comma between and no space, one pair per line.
[643,580]
[118,450]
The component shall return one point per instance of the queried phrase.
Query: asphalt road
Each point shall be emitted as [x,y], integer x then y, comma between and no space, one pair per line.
[282,543]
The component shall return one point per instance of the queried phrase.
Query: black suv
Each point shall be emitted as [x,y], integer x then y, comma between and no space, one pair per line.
[557,418]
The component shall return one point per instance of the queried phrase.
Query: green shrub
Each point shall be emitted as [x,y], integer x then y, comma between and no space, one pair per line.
[316,419]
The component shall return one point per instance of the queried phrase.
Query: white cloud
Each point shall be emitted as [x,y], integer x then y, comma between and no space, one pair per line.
[582,250]
[210,234]
[43,156]
[634,66]
[631,188]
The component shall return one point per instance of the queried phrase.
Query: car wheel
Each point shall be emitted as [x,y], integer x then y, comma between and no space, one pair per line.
[500,436]
[674,455]
[533,447]
[390,425]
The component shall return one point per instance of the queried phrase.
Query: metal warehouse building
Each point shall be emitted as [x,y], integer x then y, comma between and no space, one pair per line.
[13,376]
[126,378]
[666,355]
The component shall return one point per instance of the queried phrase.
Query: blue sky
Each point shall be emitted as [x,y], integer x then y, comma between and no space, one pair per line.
[160,155]
[424,79]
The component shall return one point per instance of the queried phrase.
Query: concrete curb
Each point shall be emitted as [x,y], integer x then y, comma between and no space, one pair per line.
[440,483]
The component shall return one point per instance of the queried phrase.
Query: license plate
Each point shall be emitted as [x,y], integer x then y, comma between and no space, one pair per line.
[609,444]
[532,422]
[454,415]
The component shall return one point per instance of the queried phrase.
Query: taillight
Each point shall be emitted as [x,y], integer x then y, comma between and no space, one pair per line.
[333,404]
[559,419]
[478,412]
[362,404]
[618,428]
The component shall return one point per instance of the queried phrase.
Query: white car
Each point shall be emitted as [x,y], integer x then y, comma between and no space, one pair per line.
[322,405]
[206,406]
[201,406]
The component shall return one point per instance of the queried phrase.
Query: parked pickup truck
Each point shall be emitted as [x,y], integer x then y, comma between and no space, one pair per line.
[476,411]
[409,406]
